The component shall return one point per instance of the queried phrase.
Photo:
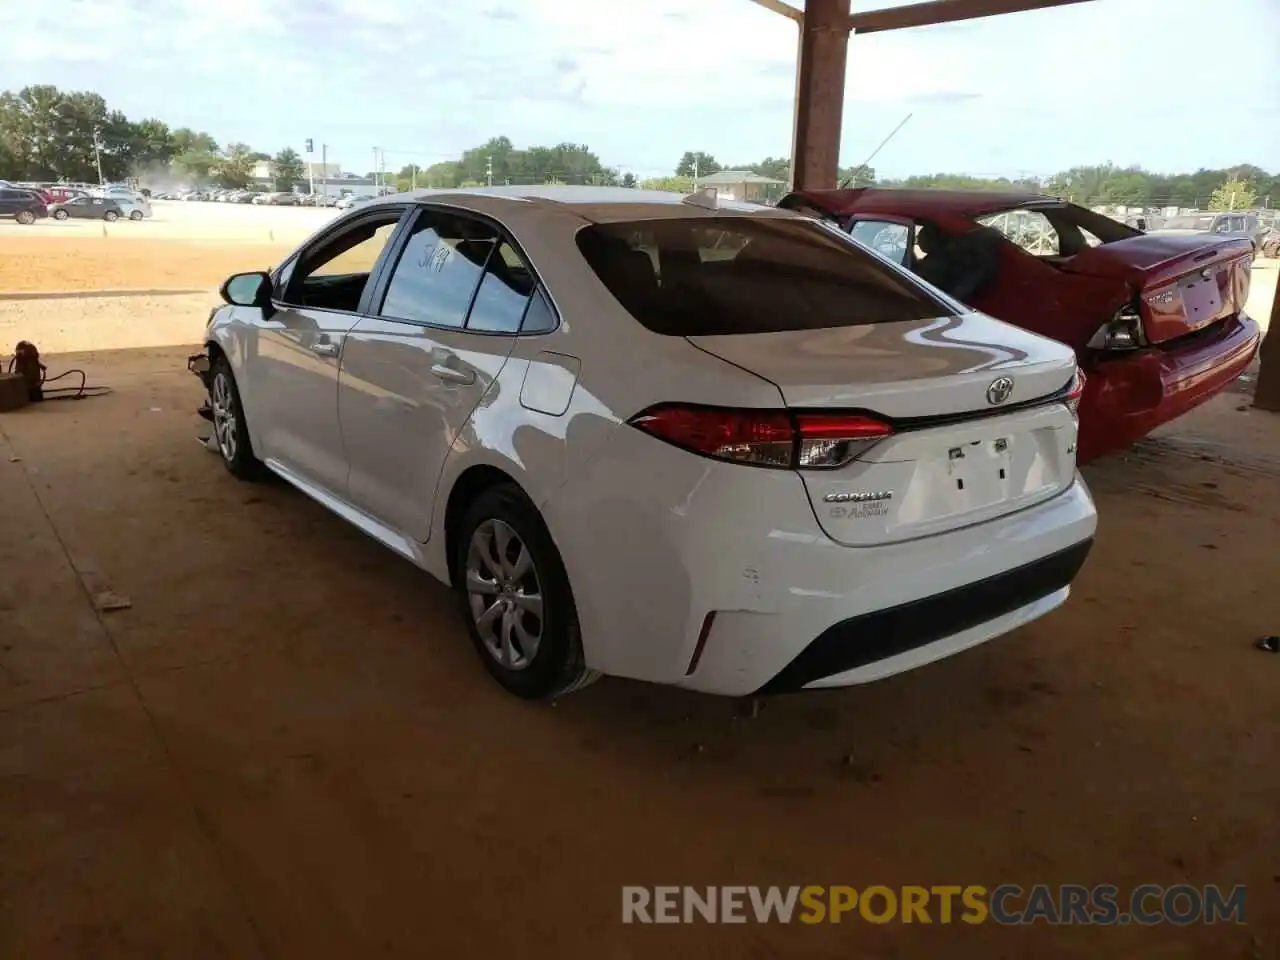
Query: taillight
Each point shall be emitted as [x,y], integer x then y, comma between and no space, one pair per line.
[1122,332]
[765,438]
[1075,392]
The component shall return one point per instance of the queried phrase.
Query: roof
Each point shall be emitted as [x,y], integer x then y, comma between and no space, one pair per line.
[596,204]
[886,199]
[735,176]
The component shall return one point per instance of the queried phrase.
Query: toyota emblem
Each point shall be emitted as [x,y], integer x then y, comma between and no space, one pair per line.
[1000,391]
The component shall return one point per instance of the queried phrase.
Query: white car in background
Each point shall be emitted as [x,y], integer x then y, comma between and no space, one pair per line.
[351,201]
[721,446]
[133,205]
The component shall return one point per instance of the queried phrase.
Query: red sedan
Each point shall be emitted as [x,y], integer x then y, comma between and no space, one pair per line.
[1157,322]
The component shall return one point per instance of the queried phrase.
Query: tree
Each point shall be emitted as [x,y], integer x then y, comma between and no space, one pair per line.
[49,134]
[629,180]
[671,184]
[859,176]
[186,140]
[1234,194]
[287,169]
[196,164]
[697,163]
[234,166]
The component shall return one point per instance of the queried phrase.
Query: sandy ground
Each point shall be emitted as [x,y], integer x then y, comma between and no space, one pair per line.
[285,747]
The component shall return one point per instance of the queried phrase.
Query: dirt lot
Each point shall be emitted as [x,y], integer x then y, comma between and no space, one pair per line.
[285,748]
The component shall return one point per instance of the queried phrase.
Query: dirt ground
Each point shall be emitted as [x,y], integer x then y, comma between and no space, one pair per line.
[285,746]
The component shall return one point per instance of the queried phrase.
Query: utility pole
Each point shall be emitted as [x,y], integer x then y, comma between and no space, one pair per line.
[488,170]
[324,170]
[413,176]
[97,153]
[695,173]
[311,168]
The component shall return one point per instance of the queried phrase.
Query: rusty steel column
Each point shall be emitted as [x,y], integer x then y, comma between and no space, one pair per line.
[1267,394]
[820,66]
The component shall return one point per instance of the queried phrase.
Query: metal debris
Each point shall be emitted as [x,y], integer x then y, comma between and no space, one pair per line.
[1270,644]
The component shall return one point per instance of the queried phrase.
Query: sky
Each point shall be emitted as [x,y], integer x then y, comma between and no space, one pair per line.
[642,81]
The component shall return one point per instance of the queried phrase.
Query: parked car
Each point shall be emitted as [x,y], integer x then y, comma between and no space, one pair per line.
[788,464]
[63,194]
[1157,320]
[88,208]
[1213,225]
[350,202]
[281,200]
[25,206]
[135,206]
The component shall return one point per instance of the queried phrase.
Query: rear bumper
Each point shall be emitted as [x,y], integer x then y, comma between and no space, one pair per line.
[1128,397]
[890,641]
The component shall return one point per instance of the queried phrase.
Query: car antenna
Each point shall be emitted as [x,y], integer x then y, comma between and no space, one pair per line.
[892,133]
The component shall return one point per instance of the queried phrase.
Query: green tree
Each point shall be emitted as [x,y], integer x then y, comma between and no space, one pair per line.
[186,140]
[1234,194]
[704,164]
[287,169]
[50,133]
[859,176]
[675,184]
[233,167]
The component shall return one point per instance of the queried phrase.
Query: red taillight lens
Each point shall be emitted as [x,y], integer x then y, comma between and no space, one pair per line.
[1075,392]
[765,438]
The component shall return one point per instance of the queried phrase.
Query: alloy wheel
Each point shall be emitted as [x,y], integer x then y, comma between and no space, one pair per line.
[223,401]
[504,594]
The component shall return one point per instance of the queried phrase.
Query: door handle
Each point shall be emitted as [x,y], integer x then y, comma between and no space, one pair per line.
[453,375]
[325,349]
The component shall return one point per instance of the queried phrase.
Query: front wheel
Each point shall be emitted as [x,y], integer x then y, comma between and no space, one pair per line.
[516,597]
[26,217]
[135,215]
[111,216]
[60,214]
[229,426]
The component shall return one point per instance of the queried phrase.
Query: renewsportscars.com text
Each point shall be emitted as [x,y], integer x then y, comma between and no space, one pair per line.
[1006,904]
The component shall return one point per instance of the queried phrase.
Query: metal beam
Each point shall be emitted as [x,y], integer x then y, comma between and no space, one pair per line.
[820,74]
[777,6]
[944,11]
[1267,394]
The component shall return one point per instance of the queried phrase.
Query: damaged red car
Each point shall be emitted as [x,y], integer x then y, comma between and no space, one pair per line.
[1157,322]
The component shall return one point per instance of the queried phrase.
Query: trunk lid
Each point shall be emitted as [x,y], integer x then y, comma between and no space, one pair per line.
[955,458]
[1183,283]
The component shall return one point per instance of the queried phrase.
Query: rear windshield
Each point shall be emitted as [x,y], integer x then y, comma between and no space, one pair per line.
[719,275]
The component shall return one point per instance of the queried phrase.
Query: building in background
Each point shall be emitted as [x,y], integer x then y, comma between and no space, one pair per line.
[744,185]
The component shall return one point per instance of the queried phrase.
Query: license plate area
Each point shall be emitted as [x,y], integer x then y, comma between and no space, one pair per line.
[980,472]
[1201,299]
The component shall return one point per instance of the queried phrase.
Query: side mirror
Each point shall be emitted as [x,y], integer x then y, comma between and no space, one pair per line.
[248,290]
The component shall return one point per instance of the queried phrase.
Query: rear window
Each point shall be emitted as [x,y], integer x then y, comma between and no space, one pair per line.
[722,275]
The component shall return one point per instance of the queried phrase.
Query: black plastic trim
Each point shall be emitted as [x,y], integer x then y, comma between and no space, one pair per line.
[870,637]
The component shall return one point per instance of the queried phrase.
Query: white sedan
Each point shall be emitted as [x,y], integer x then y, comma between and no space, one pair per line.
[707,444]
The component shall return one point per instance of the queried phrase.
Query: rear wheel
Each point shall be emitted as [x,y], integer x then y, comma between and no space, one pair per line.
[516,597]
[111,216]
[135,215]
[60,214]
[26,217]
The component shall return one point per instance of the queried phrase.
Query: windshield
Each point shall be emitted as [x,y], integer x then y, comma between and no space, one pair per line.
[723,275]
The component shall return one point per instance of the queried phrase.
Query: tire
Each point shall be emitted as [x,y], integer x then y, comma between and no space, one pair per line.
[60,214]
[556,666]
[25,217]
[111,216]
[229,426]
[135,215]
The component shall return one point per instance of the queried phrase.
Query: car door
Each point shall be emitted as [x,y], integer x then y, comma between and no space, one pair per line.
[413,371]
[292,357]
